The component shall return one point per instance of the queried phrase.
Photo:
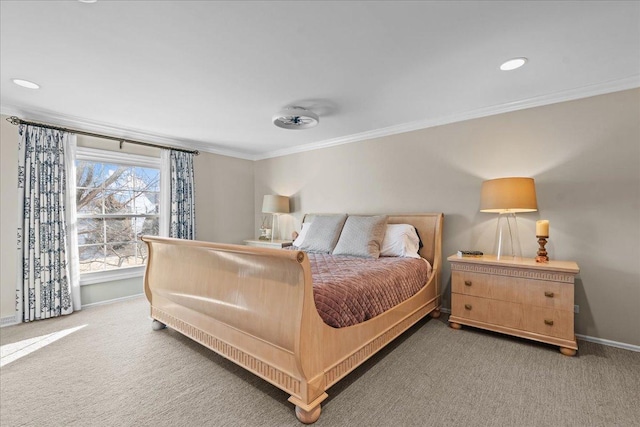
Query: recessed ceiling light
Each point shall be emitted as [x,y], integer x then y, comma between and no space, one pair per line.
[512,64]
[87,1]
[26,83]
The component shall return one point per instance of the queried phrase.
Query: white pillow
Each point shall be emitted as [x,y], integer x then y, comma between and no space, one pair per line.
[400,240]
[302,235]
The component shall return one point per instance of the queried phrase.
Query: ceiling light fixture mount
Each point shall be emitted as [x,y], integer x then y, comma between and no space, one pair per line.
[513,64]
[295,118]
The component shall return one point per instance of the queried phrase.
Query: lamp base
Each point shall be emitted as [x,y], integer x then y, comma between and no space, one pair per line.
[273,226]
[507,243]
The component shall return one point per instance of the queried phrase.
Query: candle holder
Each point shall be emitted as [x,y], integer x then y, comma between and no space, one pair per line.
[542,252]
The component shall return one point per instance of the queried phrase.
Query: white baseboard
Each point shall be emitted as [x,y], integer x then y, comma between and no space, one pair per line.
[609,343]
[110,301]
[8,321]
[13,320]
[602,341]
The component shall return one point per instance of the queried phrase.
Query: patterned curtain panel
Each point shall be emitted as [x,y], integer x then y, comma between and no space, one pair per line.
[182,225]
[42,240]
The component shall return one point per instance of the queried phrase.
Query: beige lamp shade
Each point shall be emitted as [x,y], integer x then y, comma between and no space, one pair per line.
[508,195]
[275,204]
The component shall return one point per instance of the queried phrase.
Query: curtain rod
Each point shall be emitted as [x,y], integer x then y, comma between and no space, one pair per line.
[18,121]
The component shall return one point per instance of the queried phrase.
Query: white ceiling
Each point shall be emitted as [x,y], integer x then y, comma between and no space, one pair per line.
[210,75]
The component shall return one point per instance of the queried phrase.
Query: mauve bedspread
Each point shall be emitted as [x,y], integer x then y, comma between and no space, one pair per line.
[350,290]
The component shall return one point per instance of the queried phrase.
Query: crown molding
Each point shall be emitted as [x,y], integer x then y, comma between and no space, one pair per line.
[115,131]
[626,83]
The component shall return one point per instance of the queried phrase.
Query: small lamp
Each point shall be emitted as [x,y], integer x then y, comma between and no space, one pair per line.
[275,205]
[506,196]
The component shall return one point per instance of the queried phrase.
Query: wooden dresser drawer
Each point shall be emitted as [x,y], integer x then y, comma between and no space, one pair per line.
[548,321]
[541,320]
[502,313]
[505,288]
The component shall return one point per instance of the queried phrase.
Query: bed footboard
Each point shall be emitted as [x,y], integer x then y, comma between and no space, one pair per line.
[242,302]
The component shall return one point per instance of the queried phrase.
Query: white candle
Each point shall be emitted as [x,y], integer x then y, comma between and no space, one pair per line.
[542,228]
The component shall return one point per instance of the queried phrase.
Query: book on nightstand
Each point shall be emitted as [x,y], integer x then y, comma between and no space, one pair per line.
[472,254]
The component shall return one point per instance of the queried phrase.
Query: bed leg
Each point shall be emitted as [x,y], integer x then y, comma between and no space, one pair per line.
[308,417]
[308,413]
[435,313]
[156,325]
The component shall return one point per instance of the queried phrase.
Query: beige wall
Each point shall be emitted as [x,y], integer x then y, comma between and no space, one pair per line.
[108,291]
[224,198]
[584,156]
[8,216]
[224,211]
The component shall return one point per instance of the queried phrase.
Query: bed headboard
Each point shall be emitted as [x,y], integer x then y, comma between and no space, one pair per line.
[429,226]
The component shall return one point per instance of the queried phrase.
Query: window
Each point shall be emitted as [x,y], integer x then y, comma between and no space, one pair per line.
[117,201]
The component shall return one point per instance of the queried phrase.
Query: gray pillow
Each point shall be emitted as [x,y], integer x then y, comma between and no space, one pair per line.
[362,236]
[323,233]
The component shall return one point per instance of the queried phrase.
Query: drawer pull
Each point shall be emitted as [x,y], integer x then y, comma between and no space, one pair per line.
[548,294]
[467,306]
[467,282]
[548,322]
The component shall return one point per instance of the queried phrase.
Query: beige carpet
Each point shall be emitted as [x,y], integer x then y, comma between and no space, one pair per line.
[116,371]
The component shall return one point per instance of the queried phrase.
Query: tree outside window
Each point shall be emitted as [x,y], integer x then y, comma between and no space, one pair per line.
[116,204]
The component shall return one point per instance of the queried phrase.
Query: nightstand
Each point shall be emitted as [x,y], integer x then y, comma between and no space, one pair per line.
[518,297]
[276,244]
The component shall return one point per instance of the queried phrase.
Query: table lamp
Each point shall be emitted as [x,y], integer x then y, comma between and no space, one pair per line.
[275,205]
[506,197]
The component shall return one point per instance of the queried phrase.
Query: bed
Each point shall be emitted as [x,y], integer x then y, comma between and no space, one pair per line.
[255,306]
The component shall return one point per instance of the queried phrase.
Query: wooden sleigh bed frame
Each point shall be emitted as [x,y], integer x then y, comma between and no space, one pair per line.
[255,306]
